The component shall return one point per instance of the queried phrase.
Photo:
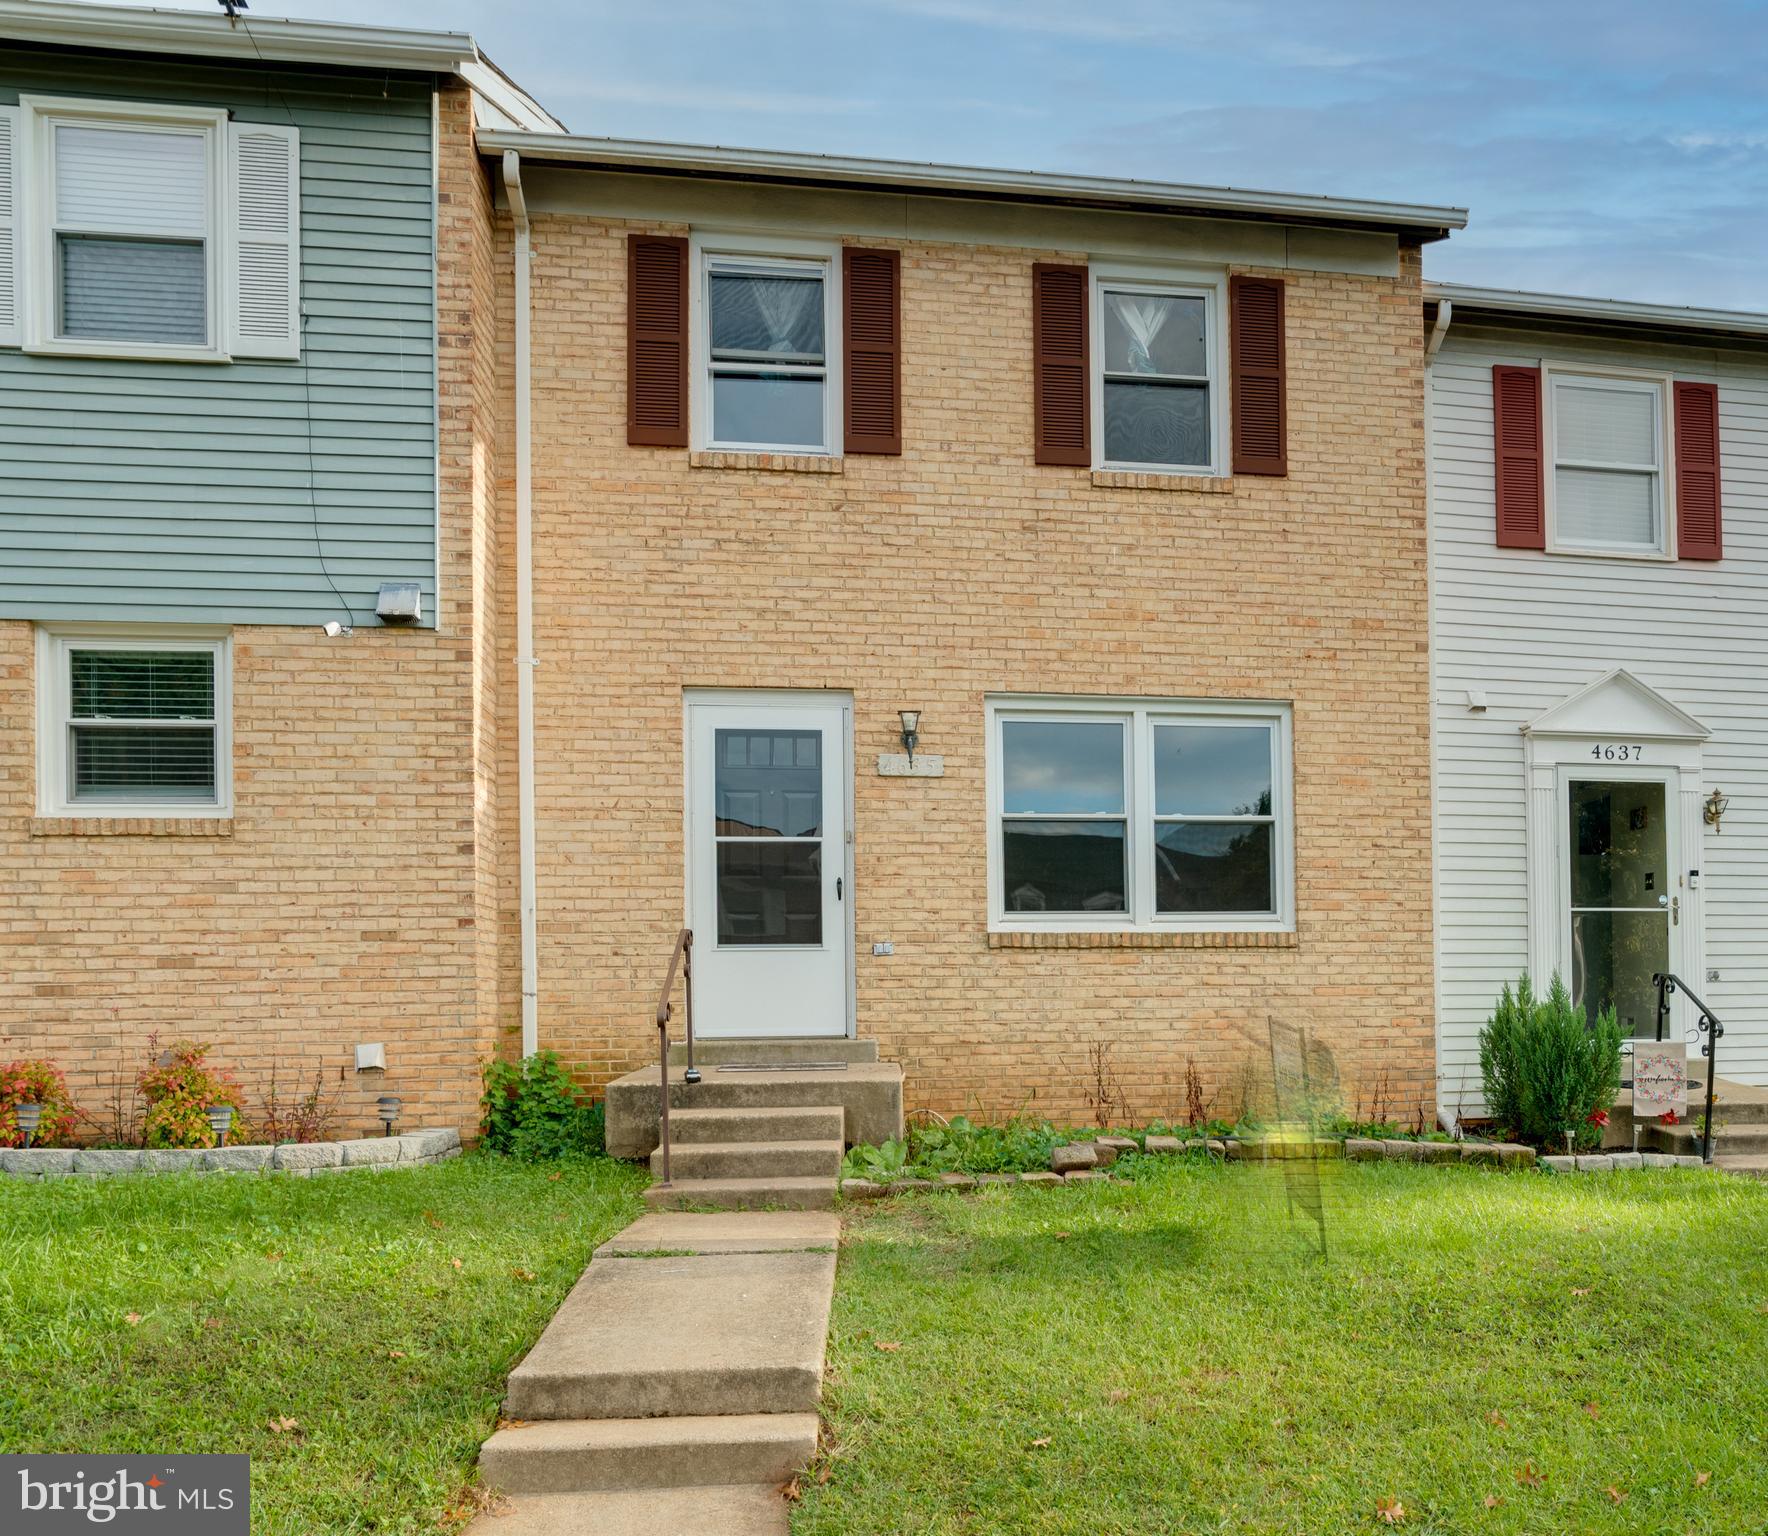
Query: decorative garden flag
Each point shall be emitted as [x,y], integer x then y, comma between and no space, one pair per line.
[1660,1078]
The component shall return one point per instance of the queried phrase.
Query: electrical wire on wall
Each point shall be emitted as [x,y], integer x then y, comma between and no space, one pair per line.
[271,87]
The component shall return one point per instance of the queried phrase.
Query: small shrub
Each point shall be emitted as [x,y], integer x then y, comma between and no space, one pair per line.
[881,1164]
[308,1118]
[1547,1069]
[180,1088]
[1015,1146]
[532,1111]
[35,1082]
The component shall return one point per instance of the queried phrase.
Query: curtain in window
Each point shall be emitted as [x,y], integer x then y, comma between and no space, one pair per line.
[1144,316]
[773,316]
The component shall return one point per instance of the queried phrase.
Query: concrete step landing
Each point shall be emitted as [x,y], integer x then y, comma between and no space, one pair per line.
[691,1334]
[869,1094]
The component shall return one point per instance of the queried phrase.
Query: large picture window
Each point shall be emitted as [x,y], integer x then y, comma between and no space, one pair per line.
[1139,814]
[133,725]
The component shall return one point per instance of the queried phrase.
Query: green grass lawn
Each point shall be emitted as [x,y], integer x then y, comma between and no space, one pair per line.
[380,1312]
[1174,1356]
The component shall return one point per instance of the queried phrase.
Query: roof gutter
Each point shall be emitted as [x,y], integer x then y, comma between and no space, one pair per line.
[1424,221]
[525,662]
[1608,312]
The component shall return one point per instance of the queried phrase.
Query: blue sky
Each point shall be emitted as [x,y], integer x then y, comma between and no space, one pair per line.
[1618,149]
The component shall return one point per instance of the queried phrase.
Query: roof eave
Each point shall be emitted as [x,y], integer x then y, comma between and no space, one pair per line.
[1622,314]
[1422,222]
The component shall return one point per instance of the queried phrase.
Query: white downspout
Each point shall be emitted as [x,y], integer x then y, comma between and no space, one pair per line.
[525,663]
[1445,313]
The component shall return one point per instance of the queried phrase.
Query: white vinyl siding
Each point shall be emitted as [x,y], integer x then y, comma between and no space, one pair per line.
[1529,629]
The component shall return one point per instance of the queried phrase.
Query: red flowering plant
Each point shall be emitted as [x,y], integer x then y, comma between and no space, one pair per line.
[35,1082]
[1598,1118]
[1669,1117]
[180,1088]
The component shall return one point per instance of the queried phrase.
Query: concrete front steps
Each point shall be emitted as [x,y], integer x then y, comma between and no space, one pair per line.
[689,1357]
[751,1159]
[1740,1125]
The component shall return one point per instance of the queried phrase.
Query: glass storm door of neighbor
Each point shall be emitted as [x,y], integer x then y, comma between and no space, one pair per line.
[1625,902]
[767,866]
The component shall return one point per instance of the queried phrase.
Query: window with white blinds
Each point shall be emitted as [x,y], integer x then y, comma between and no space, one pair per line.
[134,725]
[1608,463]
[151,231]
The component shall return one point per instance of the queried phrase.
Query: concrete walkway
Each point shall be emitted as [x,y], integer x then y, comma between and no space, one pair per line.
[677,1387]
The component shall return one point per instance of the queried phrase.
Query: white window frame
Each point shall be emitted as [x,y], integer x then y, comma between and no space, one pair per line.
[1634,380]
[790,255]
[55,645]
[1139,716]
[39,117]
[1180,282]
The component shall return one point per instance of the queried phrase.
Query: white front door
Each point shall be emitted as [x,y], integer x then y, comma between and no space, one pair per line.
[768,878]
[1624,894]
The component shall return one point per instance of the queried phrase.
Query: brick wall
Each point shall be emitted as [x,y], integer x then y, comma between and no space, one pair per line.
[960,570]
[352,897]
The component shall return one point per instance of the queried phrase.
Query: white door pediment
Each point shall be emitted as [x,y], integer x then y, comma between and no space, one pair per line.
[1618,705]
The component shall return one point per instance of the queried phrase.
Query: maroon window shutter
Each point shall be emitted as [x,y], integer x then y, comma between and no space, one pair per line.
[1698,532]
[657,341]
[1256,350]
[1059,364]
[871,323]
[1519,463]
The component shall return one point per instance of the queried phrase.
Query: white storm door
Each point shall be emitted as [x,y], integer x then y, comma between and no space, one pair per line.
[767,865]
[1624,898]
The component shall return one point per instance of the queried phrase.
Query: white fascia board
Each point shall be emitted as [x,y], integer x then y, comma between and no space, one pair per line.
[977,181]
[133,29]
[1469,300]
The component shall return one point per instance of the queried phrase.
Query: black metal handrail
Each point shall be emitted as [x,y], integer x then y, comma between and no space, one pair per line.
[1708,1024]
[681,960]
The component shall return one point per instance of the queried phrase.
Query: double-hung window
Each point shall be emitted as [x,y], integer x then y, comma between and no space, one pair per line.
[1157,398]
[1139,815]
[148,230]
[768,375]
[133,725]
[1607,436]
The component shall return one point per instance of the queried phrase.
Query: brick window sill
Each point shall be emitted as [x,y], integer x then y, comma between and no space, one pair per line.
[1143,939]
[131,826]
[776,463]
[1135,480]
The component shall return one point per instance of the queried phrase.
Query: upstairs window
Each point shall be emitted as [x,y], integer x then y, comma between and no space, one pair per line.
[769,379]
[1139,815]
[1606,435]
[133,725]
[143,230]
[1157,386]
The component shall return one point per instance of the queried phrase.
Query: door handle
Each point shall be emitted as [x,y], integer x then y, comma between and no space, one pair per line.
[837,887]
[1675,911]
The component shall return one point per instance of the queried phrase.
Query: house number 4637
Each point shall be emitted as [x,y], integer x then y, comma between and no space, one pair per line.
[1614,754]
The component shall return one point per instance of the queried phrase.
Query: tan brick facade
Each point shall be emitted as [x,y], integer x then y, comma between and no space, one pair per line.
[365,888]
[958,571]
[352,895]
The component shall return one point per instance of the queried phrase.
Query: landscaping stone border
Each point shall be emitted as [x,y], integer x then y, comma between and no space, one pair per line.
[298,1159]
[1612,1162]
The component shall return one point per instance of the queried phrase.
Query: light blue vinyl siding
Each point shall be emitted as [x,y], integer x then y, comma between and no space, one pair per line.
[227,493]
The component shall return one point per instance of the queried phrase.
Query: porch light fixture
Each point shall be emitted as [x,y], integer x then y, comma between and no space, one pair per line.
[220,1122]
[911,730]
[387,1107]
[1714,809]
[29,1117]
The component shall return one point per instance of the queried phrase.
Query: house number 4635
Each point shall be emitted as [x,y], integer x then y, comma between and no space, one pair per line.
[1614,754]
